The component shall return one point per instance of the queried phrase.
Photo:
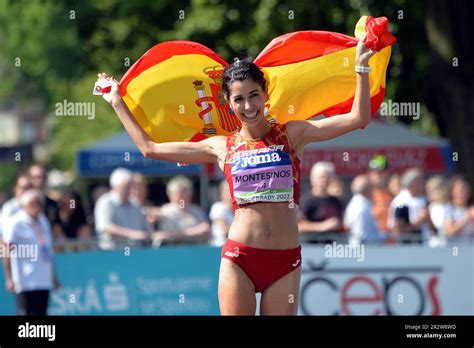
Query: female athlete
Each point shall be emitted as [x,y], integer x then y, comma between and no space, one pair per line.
[261,164]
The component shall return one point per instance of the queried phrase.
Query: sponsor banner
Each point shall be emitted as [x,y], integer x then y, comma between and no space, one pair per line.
[97,164]
[352,161]
[387,281]
[336,280]
[168,281]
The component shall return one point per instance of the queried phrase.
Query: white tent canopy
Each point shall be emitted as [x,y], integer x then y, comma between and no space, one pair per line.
[381,134]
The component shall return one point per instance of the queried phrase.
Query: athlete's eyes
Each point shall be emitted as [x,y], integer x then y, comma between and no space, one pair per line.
[238,99]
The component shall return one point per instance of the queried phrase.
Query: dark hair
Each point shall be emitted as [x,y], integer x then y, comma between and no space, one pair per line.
[242,70]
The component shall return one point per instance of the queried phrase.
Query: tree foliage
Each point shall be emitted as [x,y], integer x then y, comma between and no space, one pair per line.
[63,44]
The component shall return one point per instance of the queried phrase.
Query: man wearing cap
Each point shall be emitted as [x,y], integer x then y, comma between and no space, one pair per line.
[381,196]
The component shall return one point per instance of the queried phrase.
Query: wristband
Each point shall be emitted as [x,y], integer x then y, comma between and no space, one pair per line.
[363,69]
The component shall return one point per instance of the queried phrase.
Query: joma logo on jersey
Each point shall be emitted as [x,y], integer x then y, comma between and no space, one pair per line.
[258,159]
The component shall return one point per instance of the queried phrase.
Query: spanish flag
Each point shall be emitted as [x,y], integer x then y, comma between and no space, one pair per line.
[174,89]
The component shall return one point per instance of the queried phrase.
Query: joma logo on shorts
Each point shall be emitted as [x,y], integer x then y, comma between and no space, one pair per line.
[258,159]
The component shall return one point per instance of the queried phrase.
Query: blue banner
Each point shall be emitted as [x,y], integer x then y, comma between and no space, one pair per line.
[166,281]
[102,163]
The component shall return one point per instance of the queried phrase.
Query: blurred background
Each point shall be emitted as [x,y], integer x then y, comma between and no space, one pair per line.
[421,142]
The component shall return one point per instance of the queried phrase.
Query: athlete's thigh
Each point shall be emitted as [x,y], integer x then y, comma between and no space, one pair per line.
[282,297]
[236,290]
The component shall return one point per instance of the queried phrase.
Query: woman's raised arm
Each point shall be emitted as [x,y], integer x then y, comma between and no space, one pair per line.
[205,151]
[310,131]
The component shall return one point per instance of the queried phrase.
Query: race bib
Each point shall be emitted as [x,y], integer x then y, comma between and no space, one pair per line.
[262,175]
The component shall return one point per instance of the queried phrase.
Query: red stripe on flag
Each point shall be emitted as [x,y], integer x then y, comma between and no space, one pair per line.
[302,45]
[162,52]
[346,106]
[378,35]
[197,137]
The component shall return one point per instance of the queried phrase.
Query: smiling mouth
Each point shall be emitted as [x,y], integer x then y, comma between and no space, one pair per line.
[251,116]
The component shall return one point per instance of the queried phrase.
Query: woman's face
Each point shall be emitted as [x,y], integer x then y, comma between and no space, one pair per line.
[461,193]
[247,100]
[432,190]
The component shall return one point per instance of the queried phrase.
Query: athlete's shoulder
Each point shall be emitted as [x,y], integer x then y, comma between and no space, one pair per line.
[295,125]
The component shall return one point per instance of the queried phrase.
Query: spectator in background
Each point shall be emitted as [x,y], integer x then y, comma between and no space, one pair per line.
[437,194]
[38,178]
[73,219]
[381,196]
[139,195]
[181,221]
[119,221]
[320,213]
[336,188]
[408,214]
[459,223]
[12,206]
[97,192]
[358,216]
[221,215]
[30,272]
[394,186]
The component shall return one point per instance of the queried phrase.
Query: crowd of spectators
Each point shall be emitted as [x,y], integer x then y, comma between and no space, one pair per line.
[377,207]
[388,208]
[382,208]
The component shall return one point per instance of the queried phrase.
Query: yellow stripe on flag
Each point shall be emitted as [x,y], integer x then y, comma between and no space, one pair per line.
[309,87]
[166,95]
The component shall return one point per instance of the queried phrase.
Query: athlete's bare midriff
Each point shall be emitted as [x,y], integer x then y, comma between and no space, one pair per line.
[266,226]
[263,225]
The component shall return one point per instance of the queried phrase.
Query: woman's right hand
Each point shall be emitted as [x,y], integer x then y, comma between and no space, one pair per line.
[113,97]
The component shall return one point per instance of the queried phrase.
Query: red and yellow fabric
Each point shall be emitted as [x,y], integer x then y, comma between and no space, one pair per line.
[174,89]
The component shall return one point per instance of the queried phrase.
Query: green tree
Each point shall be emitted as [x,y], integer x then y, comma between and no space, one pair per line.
[452,76]
[62,45]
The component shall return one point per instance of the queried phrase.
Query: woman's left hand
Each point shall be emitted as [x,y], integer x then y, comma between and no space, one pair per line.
[363,54]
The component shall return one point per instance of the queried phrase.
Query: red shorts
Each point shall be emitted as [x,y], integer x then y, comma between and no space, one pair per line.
[262,266]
